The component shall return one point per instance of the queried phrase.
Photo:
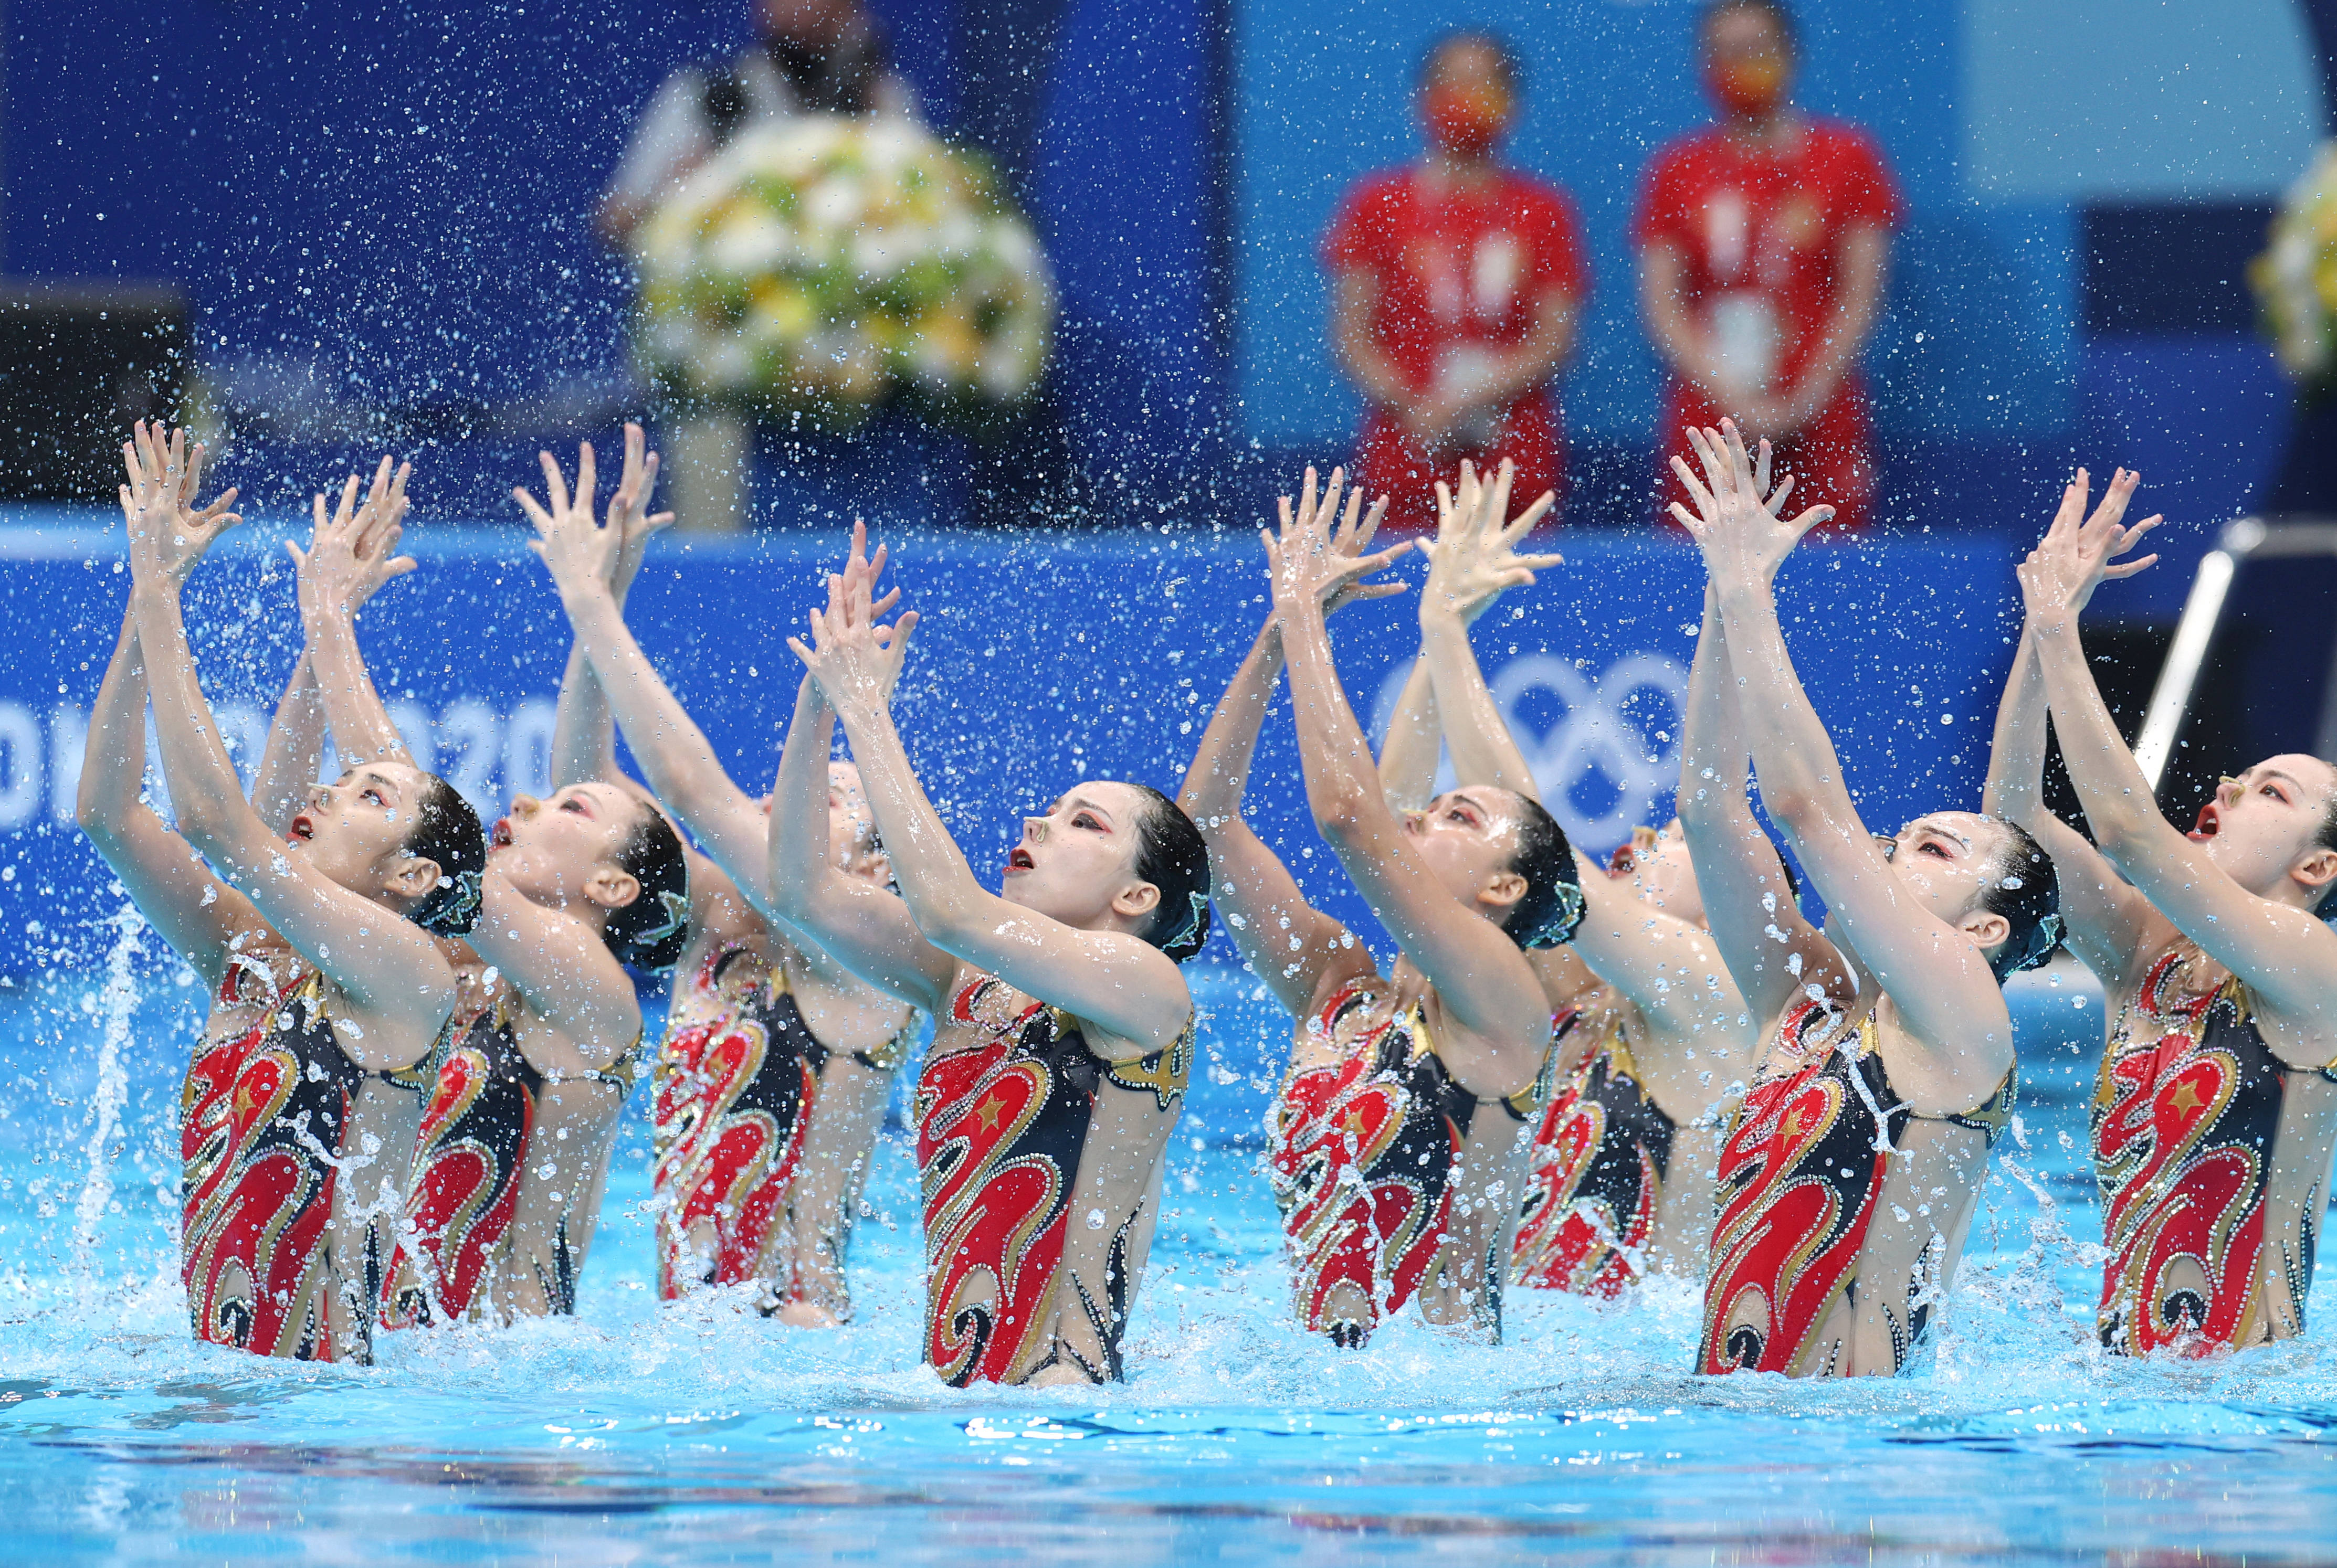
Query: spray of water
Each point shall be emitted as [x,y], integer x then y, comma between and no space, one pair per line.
[116,1001]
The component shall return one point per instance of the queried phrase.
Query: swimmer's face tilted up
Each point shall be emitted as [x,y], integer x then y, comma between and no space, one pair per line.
[1060,994]
[2272,827]
[321,1010]
[359,832]
[1077,862]
[2212,1114]
[1896,1018]
[1961,865]
[570,846]
[1655,865]
[854,845]
[1470,840]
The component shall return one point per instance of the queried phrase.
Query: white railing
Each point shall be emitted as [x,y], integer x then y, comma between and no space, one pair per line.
[2246,540]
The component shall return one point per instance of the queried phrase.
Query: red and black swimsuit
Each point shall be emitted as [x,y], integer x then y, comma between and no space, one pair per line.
[1595,1176]
[467,1169]
[736,1079]
[1000,1129]
[1361,1157]
[2185,1117]
[264,1118]
[1799,1178]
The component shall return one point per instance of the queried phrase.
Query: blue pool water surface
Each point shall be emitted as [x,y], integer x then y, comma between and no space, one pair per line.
[704,1433]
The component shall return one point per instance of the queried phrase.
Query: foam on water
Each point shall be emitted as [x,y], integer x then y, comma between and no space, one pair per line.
[704,1432]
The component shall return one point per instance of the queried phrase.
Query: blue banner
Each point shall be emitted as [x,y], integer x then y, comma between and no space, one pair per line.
[1041,659]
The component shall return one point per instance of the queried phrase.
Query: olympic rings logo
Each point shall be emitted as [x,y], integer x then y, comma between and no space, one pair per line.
[1609,759]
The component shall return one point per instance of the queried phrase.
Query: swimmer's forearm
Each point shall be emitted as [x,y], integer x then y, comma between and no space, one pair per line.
[1746,897]
[1800,774]
[1219,777]
[1712,751]
[1484,750]
[682,768]
[2015,752]
[2286,957]
[354,710]
[1342,786]
[113,753]
[1408,757]
[2120,805]
[584,727]
[289,762]
[204,790]
[936,881]
[2105,916]
[799,808]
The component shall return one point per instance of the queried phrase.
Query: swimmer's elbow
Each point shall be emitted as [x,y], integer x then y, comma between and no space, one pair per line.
[1792,802]
[2121,827]
[1342,810]
[97,823]
[948,923]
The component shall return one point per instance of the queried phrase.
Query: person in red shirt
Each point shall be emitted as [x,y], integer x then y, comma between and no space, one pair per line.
[1762,243]
[1457,286]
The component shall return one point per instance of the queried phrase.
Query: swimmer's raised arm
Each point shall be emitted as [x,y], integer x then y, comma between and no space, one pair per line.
[565,971]
[196,913]
[588,566]
[2284,955]
[384,965]
[1668,966]
[350,555]
[584,727]
[1414,743]
[1472,562]
[1938,979]
[1749,908]
[865,928]
[1123,984]
[1481,974]
[1293,947]
[2105,914]
[1298,951]
[294,751]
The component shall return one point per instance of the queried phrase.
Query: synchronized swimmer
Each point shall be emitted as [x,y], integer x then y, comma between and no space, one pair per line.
[423,1029]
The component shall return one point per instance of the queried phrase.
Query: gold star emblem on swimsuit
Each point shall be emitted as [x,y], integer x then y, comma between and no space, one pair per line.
[1353,1121]
[1791,1127]
[2185,1097]
[989,1112]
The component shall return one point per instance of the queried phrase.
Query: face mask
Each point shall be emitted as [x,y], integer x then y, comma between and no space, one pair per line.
[1750,88]
[1464,122]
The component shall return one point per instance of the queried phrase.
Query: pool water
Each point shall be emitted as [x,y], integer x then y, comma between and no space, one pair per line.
[704,1433]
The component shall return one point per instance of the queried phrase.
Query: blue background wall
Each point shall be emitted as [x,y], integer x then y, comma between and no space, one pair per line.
[381,220]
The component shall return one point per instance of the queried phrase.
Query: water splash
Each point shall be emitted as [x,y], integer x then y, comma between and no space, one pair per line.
[116,1003]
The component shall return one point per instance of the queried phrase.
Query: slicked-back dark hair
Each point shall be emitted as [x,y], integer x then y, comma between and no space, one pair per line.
[1171,855]
[447,832]
[1551,908]
[649,932]
[2026,891]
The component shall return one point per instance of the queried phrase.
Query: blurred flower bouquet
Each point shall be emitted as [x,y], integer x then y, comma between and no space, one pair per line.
[2295,280]
[813,268]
